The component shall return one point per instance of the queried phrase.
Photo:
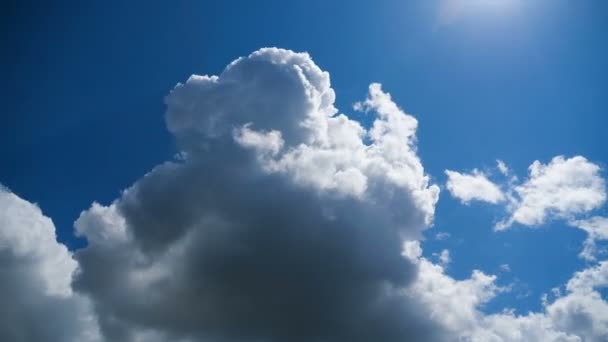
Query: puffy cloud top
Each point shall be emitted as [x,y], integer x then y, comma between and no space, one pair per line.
[283,220]
[36,272]
[29,235]
[280,105]
[562,188]
[565,188]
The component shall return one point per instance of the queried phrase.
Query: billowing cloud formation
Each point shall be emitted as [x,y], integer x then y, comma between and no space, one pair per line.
[35,275]
[283,222]
[580,315]
[473,187]
[561,189]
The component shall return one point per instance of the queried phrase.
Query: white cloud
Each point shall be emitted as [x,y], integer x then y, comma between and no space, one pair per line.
[27,233]
[36,271]
[264,142]
[580,315]
[597,229]
[280,214]
[502,167]
[561,189]
[473,187]
[505,268]
[583,311]
[442,236]
[586,280]
[565,188]
[451,302]
[443,257]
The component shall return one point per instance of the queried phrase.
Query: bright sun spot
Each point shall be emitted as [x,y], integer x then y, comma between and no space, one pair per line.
[451,10]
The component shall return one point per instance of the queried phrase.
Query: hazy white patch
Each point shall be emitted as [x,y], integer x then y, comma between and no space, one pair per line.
[502,167]
[556,292]
[442,236]
[444,257]
[452,11]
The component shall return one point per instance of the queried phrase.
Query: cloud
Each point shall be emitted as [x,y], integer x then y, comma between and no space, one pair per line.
[587,280]
[36,271]
[502,167]
[281,221]
[565,188]
[583,311]
[443,257]
[285,220]
[597,229]
[560,189]
[451,302]
[473,187]
[580,315]
[442,236]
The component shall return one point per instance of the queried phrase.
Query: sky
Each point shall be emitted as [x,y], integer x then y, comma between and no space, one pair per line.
[443,149]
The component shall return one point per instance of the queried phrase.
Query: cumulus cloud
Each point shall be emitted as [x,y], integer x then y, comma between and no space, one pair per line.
[281,221]
[580,315]
[565,189]
[473,186]
[36,271]
[597,230]
[583,311]
[451,302]
[284,220]
[560,189]
[443,257]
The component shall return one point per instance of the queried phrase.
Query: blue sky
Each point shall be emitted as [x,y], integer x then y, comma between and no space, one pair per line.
[83,87]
